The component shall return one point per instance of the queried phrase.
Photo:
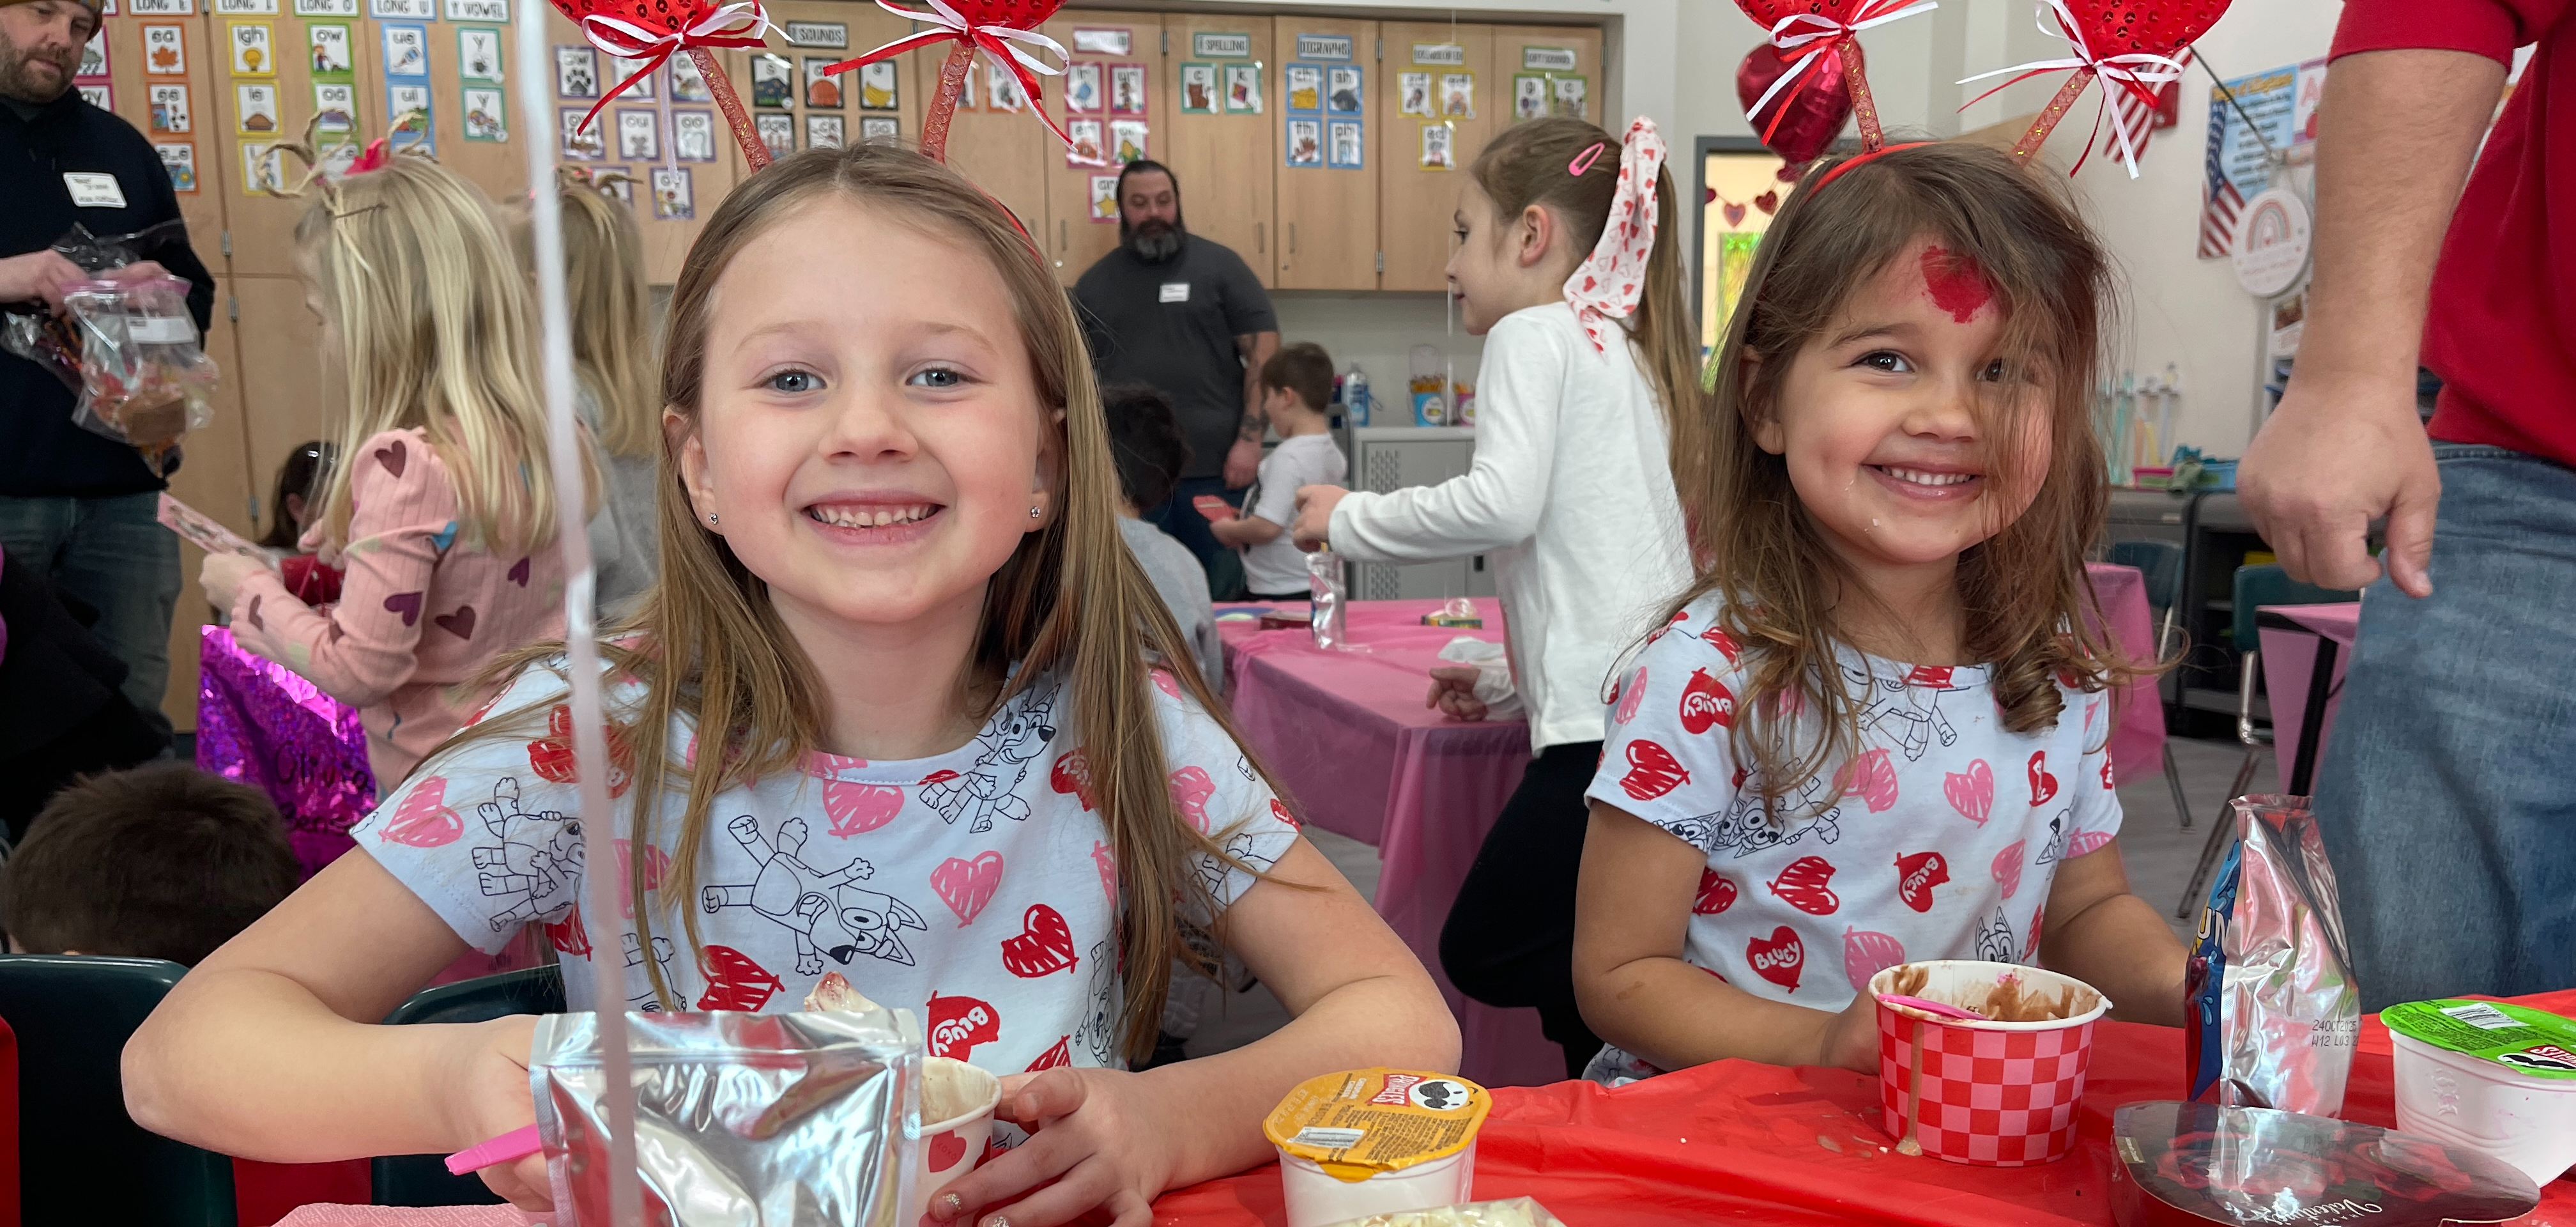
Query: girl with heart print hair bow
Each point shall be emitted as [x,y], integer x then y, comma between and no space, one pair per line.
[901,706]
[1587,400]
[1875,728]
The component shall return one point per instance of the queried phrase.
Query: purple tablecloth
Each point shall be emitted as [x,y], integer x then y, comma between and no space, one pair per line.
[2290,661]
[265,725]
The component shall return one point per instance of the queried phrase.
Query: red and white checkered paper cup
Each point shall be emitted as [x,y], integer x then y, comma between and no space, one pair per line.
[1997,1094]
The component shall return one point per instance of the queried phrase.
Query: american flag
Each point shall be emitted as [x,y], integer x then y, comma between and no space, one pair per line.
[2140,119]
[2220,202]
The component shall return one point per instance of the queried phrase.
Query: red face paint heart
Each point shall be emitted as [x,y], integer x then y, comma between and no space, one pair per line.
[1191,789]
[422,819]
[394,456]
[966,886]
[1631,692]
[1777,958]
[1652,771]
[569,936]
[1060,1055]
[957,1024]
[1971,793]
[2007,868]
[1734,213]
[1916,875]
[946,1150]
[1867,954]
[405,603]
[2156,29]
[656,863]
[1954,284]
[1706,703]
[1716,893]
[1717,637]
[734,981]
[519,572]
[1872,778]
[856,809]
[1072,774]
[2042,785]
[1803,886]
[459,624]
[1043,946]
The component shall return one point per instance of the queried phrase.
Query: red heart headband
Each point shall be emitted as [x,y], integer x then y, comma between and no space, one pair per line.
[2146,47]
[1820,28]
[993,39]
[652,30]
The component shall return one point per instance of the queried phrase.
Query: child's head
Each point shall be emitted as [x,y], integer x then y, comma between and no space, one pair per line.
[1145,441]
[612,322]
[423,308]
[1298,379]
[1905,389]
[160,862]
[299,487]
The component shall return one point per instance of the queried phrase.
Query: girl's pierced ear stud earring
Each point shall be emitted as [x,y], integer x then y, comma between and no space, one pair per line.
[1036,513]
[711,517]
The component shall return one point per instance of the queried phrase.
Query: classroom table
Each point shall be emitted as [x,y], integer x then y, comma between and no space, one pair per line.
[2306,649]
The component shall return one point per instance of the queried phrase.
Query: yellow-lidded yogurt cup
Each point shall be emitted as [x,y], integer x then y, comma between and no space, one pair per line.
[1376,1141]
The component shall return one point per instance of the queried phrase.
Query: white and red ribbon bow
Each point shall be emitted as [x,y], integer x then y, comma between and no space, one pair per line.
[1821,34]
[741,24]
[994,41]
[2138,73]
[1605,287]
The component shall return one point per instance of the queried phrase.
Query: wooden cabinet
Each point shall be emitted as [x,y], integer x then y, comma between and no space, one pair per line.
[1223,155]
[1548,70]
[1115,87]
[1003,152]
[1437,92]
[1327,205]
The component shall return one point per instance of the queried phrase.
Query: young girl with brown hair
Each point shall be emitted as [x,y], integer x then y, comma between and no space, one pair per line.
[1900,467]
[901,706]
[1567,267]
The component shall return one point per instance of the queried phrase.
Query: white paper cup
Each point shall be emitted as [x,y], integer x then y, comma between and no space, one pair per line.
[963,1098]
[2479,1105]
[1317,1198]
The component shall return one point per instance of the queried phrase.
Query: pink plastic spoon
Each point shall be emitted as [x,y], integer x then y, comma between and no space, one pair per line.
[1937,1009]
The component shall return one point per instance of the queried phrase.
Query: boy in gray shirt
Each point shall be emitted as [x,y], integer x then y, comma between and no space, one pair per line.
[1145,439]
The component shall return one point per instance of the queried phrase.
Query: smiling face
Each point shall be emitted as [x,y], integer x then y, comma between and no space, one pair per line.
[871,453]
[1907,434]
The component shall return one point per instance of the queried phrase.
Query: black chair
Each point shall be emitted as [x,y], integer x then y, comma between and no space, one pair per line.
[2160,562]
[81,1159]
[423,1180]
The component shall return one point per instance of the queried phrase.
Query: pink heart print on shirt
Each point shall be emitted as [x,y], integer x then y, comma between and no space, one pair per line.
[1916,875]
[1072,774]
[459,624]
[656,864]
[1652,771]
[1803,885]
[1871,778]
[1716,893]
[1165,682]
[856,809]
[2086,841]
[2007,867]
[966,886]
[394,456]
[2042,785]
[1631,693]
[1777,958]
[1706,703]
[1972,792]
[1866,954]
[422,819]
[1107,863]
[957,1024]
[407,604]
[1043,946]
[1191,789]
[734,981]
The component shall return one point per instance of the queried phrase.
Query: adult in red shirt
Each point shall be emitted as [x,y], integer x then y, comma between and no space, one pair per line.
[2446,790]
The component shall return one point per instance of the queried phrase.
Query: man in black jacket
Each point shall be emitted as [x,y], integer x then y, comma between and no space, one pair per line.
[78,507]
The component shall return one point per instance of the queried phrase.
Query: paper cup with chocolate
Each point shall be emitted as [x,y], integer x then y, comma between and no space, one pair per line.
[1999,1089]
[1376,1141]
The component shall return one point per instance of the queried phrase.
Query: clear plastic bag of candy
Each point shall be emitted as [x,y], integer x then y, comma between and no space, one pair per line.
[32,331]
[144,378]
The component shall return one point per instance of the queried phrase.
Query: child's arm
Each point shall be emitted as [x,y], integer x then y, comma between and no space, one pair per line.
[1245,529]
[2114,940]
[1631,923]
[1498,501]
[1116,1140]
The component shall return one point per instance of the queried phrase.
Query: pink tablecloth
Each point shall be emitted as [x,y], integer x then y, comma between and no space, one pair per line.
[2289,663]
[2138,741]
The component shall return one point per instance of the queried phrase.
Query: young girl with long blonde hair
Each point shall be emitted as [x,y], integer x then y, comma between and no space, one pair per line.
[1873,730]
[440,510]
[902,707]
[614,351]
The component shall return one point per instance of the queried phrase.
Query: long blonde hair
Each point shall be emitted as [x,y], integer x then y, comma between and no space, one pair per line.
[435,331]
[612,325]
[1070,604]
[2024,588]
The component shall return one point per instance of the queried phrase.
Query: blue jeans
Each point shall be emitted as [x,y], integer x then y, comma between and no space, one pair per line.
[113,555]
[2448,793]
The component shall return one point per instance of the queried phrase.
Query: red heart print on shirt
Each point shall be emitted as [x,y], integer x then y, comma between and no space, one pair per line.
[568,935]
[1706,703]
[423,819]
[394,456]
[1060,1055]
[459,624]
[1803,886]
[1652,771]
[1043,946]
[856,809]
[1716,893]
[2007,867]
[1916,875]
[1871,778]
[966,886]
[734,981]
[2108,781]
[1777,958]
[1279,810]
[1866,954]
[1971,792]
[1191,789]
[2042,785]
[405,603]
[945,1150]
[1631,693]
[551,756]
[1072,774]
[957,1024]
[1717,637]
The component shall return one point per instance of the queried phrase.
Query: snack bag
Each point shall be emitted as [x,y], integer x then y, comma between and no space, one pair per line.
[144,380]
[35,333]
[2273,1012]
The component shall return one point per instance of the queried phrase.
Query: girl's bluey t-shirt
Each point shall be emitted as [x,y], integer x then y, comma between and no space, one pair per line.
[1939,839]
[977,888]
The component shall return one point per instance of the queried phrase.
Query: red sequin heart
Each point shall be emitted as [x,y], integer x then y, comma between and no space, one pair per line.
[1769,12]
[2155,29]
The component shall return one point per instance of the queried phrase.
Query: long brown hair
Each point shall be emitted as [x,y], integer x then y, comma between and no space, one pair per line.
[612,322]
[1529,164]
[2024,588]
[1070,604]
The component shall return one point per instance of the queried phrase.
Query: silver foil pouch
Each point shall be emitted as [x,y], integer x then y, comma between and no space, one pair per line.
[2273,1011]
[1329,598]
[741,1120]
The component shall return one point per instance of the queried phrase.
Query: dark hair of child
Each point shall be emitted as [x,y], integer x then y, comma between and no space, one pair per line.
[1303,368]
[1145,439]
[301,477]
[160,862]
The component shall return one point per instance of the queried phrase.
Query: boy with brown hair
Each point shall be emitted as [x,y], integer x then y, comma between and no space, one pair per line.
[1296,384]
[160,862]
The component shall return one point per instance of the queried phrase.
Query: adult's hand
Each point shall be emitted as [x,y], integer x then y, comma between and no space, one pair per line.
[1242,463]
[2340,451]
[37,274]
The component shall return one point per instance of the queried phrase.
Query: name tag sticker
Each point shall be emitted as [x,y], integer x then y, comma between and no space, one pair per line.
[1173,291]
[100,191]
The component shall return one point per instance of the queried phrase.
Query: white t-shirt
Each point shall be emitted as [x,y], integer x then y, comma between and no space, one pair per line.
[1938,841]
[1277,565]
[977,887]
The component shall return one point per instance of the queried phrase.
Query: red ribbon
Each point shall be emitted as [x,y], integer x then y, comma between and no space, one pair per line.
[993,41]
[724,27]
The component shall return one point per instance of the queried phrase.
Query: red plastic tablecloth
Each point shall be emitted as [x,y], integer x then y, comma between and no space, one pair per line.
[1760,1143]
